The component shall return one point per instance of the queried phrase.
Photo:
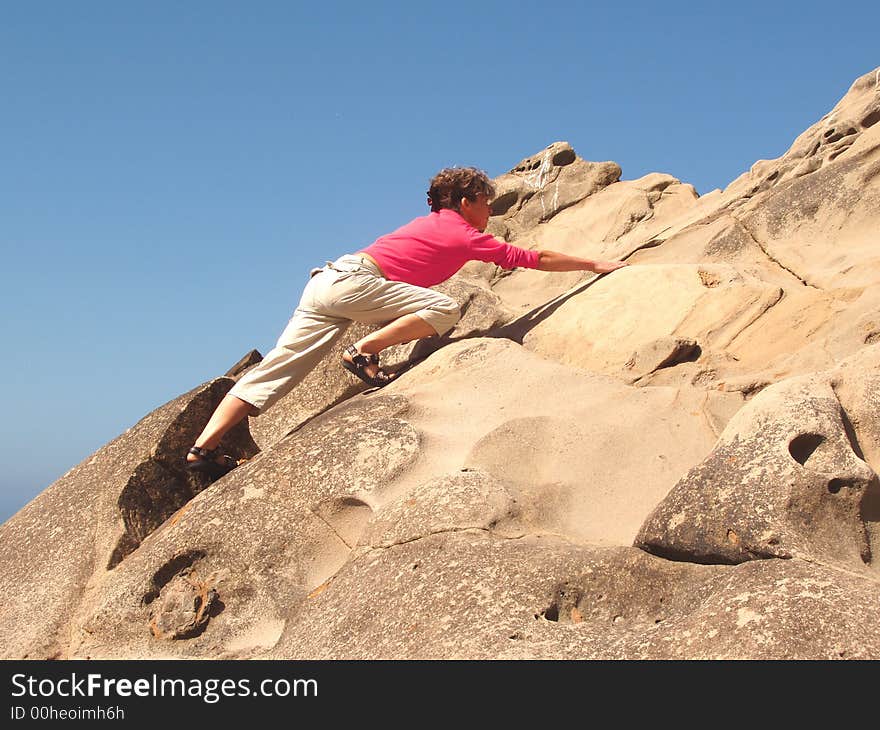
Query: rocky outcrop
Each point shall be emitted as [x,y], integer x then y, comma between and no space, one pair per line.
[386,467]
[541,186]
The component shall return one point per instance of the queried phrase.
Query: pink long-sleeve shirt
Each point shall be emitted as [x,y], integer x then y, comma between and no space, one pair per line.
[432,248]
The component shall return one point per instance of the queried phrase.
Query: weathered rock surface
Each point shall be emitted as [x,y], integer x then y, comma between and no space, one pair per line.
[676,460]
[474,595]
[360,467]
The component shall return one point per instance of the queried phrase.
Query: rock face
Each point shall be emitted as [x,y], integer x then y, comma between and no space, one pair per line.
[674,461]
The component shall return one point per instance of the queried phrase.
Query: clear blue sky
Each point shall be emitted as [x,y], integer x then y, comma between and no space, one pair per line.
[169,171]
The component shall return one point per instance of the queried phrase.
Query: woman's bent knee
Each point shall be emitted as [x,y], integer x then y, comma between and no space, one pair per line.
[442,316]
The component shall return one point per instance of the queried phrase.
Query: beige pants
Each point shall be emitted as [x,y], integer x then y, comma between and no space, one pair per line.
[351,289]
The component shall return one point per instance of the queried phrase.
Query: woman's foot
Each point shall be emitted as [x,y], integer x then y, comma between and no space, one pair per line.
[366,367]
[210,462]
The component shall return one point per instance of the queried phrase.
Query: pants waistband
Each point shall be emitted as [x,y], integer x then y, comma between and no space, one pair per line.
[351,262]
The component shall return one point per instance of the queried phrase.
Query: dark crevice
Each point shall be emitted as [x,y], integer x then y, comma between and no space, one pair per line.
[685,352]
[563,158]
[835,485]
[851,434]
[870,507]
[153,493]
[678,555]
[161,485]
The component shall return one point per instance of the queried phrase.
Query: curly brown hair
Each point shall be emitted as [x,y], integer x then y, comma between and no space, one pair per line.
[451,184]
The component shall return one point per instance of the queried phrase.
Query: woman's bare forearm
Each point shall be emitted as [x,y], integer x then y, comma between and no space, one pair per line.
[555,261]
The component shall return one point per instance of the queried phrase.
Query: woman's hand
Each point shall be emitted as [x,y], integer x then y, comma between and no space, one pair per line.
[606,267]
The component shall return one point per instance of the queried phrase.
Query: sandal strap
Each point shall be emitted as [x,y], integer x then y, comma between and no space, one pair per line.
[360,358]
[204,453]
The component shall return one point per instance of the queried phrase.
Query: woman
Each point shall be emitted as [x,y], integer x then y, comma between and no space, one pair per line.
[386,282]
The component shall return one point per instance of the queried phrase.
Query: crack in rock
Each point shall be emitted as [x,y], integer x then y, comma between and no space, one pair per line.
[771,257]
[332,529]
[449,531]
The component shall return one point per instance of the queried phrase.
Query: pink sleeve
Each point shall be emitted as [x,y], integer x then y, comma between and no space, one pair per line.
[485,247]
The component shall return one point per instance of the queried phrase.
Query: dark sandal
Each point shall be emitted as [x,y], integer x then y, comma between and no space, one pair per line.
[207,462]
[358,364]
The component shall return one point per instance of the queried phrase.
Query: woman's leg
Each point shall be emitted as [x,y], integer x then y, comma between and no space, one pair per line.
[306,339]
[228,414]
[407,328]
[408,312]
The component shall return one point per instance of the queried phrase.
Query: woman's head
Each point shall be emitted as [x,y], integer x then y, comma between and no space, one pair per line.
[450,185]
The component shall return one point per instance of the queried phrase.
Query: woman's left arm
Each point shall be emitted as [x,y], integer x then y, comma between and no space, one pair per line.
[555,261]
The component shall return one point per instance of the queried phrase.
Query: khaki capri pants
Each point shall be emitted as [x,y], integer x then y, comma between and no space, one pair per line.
[351,289]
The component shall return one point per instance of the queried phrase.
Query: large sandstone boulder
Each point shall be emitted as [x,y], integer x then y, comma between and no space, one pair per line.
[786,479]
[802,232]
[260,540]
[670,314]
[507,456]
[838,134]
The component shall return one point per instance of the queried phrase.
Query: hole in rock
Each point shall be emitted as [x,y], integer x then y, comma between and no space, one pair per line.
[871,119]
[683,352]
[503,203]
[802,447]
[173,567]
[563,157]
[552,613]
[835,485]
